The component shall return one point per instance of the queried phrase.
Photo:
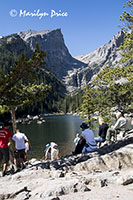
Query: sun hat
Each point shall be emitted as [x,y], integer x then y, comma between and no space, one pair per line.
[47,145]
[84,125]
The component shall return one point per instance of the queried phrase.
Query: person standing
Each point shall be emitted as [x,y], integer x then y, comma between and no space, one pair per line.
[5,137]
[20,154]
[88,135]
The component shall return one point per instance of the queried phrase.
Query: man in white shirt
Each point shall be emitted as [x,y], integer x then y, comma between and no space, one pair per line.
[20,155]
[120,125]
[88,135]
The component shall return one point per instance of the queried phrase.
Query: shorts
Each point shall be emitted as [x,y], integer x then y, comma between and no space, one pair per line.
[4,152]
[20,154]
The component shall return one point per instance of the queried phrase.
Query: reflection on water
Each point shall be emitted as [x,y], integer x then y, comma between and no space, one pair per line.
[59,129]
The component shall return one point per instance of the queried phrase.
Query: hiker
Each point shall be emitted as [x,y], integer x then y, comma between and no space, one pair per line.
[47,152]
[88,135]
[5,137]
[7,125]
[102,131]
[52,151]
[20,154]
[79,146]
[120,125]
[87,142]
[76,140]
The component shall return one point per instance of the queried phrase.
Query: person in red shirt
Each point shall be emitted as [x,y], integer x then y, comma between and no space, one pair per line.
[5,137]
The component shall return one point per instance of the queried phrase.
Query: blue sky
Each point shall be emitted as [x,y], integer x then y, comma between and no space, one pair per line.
[89,24]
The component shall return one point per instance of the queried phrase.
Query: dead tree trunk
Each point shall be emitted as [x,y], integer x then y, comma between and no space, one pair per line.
[13,116]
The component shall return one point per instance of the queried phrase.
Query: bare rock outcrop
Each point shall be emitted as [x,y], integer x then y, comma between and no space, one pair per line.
[58,59]
[76,176]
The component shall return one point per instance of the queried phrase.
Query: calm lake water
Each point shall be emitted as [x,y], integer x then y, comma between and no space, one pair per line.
[59,129]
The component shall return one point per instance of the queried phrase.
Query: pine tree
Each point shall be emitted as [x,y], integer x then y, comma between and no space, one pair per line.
[113,87]
[19,87]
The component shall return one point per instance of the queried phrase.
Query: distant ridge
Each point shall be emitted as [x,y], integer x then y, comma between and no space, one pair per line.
[74,72]
[106,55]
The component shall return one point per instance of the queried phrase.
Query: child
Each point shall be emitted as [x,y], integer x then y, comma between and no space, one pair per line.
[47,152]
[76,140]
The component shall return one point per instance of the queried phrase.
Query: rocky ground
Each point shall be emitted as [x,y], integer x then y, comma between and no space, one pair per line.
[106,174]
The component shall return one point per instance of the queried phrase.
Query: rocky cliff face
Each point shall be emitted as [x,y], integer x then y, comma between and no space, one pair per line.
[59,61]
[106,55]
[74,72]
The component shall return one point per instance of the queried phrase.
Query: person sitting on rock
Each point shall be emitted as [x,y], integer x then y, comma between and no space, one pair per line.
[120,125]
[88,135]
[76,140]
[102,131]
[79,147]
[87,141]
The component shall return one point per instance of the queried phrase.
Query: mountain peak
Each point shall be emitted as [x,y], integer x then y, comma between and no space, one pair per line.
[33,33]
[106,55]
[58,60]
[108,52]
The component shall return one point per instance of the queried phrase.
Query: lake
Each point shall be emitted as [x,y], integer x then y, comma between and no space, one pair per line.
[60,129]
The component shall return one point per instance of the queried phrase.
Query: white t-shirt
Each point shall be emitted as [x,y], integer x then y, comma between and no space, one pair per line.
[20,138]
[89,137]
